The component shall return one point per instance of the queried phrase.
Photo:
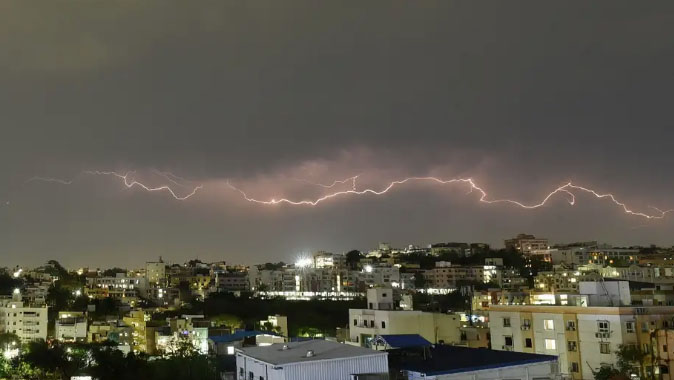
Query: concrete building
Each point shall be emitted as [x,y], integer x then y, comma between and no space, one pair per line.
[279,323]
[310,360]
[584,334]
[526,243]
[381,319]
[121,287]
[27,322]
[114,331]
[71,326]
[155,272]
[137,319]
[226,281]
[445,275]
[593,254]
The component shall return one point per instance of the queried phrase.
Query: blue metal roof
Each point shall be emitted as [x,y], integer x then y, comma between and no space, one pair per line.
[239,335]
[401,341]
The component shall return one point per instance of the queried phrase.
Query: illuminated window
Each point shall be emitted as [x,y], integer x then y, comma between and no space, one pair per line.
[548,324]
[550,344]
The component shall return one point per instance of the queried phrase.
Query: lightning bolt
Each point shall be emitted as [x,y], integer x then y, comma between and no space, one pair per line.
[333,184]
[130,183]
[566,189]
[171,177]
[49,179]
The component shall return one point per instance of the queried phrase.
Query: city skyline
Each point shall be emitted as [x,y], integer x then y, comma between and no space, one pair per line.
[294,101]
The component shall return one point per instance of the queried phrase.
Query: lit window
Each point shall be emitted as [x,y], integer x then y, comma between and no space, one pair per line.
[550,344]
[548,324]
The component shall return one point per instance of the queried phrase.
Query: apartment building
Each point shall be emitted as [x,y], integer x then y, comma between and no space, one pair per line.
[71,326]
[526,243]
[26,321]
[137,319]
[599,254]
[381,318]
[121,287]
[585,333]
[445,275]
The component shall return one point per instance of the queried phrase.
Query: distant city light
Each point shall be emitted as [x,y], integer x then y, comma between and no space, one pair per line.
[368,268]
[304,262]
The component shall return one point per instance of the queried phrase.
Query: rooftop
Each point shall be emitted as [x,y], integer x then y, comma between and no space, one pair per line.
[453,359]
[297,352]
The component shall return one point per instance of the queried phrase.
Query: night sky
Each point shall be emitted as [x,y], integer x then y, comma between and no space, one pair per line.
[521,96]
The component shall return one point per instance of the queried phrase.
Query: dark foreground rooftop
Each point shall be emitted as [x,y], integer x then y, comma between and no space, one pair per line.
[452,359]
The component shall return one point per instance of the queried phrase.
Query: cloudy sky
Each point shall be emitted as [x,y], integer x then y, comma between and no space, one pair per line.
[521,96]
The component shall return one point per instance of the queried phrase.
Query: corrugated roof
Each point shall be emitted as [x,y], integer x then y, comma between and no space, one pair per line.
[297,352]
[401,341]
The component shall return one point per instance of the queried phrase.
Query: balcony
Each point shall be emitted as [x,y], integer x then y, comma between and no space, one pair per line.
[602,335]
[525,327]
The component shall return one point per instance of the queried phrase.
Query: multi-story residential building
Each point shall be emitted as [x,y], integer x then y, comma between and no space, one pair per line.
[191,328]
[380,318]
[155,272]
[377,275]
[71,326]
[226,281]
[324,259]
[36,293]
[458,248]
[561,279]
[526,243]
[445,275]
[137,319]
[122,287]
[599,254]
[114,331]
[639,273]
[26,321]
[584,338]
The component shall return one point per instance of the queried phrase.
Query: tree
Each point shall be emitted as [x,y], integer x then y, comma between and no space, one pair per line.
[228,320]
[8,283]
[628,355]
[8,340]
[353,258]
[112,272]
[609,373]
[419,281]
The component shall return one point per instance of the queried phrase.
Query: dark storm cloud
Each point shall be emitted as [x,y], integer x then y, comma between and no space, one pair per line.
[521,95]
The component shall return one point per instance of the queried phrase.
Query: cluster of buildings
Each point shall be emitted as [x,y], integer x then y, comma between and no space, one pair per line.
[566,322]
